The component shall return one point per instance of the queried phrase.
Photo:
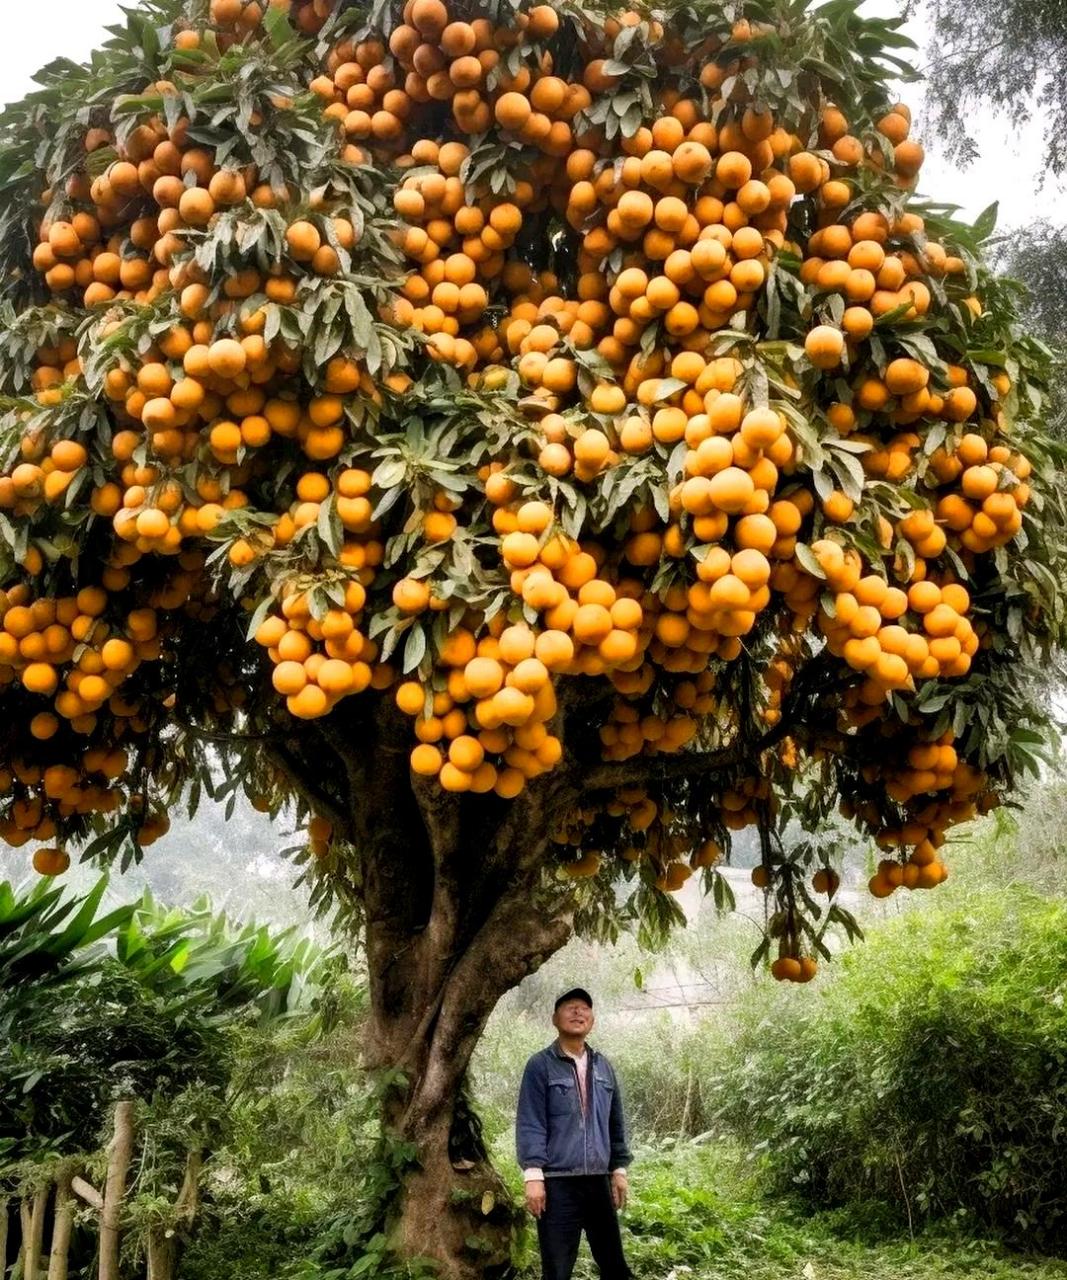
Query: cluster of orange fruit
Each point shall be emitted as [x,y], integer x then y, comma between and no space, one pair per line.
[640,353]
[655,833]
[63,650]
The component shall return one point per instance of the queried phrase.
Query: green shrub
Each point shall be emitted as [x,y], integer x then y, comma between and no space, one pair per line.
[930,1075]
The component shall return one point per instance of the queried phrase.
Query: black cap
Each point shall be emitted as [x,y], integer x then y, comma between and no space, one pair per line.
[575,993]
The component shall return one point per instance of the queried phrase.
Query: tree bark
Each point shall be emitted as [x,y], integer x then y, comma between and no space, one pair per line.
[120,1153]
[164,1249]
[160,1255]
[458,910]
[4,1203]
[62,1224]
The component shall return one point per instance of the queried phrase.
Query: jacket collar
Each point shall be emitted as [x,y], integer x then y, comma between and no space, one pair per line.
[557,1049]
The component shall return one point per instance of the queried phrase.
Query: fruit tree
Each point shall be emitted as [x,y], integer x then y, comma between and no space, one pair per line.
[539,441]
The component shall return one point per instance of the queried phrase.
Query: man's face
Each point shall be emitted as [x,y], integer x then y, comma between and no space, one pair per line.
[575,1018]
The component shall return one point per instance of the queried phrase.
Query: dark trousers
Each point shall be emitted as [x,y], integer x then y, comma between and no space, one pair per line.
[574,1205]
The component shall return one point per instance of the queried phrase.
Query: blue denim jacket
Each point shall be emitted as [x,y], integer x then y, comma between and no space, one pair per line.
[552,1134]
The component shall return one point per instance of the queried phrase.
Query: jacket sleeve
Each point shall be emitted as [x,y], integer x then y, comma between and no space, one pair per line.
[620,1149]
[531,1121]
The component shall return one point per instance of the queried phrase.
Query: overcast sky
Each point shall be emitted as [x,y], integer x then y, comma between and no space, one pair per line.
[1009,168]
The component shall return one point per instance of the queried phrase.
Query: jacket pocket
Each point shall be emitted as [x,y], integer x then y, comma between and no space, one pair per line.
[561,1097]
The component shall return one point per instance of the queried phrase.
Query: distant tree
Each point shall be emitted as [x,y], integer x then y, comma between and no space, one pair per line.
[1010,55]
[1040,259]
[139,1001]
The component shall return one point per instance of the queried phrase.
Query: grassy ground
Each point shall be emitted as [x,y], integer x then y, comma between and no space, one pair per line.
[696,1214]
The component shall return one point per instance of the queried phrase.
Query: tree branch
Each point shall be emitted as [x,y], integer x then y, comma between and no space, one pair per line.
[188,1201]
[210,735]
[697,764]
[645,769]
[302,776]
[516,939]
[88,1193]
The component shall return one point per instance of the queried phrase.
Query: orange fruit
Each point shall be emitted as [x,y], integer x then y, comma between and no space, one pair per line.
[824,346]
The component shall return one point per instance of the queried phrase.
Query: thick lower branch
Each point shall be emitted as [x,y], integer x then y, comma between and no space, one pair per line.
[642,770]
[519,935]
[188,1201]
[304,777]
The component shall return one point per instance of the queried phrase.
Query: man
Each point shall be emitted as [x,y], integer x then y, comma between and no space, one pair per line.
[571,1141]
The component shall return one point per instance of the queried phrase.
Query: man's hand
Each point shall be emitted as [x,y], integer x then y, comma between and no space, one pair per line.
[620,1186]
[535,1198]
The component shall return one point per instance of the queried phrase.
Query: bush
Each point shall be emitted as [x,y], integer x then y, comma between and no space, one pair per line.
[931,1075]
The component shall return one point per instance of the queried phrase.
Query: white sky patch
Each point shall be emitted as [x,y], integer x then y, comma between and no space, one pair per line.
[35,35]
[1011,161]
[1009,168]
[266,866]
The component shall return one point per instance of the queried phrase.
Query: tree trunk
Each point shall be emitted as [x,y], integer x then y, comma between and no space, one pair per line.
[489,924]
[458,909]
[120,1153]
[160,1255]
[453,1207]
[4,1202]
[163,1249]
[62,1222]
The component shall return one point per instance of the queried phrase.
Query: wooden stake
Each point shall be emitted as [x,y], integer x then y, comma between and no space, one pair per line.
[3,1235]
[62,1223]
[32,1262]
[120,1153]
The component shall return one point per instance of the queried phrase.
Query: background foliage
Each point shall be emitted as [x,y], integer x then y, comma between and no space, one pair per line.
[934,1052]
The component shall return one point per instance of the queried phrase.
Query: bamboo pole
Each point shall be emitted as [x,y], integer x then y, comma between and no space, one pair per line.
[25,1217]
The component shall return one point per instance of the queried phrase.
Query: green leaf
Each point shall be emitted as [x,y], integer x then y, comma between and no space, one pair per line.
[985,223]
[329,526]
[277,26]
[808,562]
[414,648]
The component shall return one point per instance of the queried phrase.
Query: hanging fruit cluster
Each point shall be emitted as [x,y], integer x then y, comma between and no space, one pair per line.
[479,358]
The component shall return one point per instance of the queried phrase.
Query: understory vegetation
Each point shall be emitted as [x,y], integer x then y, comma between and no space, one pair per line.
[897,1119]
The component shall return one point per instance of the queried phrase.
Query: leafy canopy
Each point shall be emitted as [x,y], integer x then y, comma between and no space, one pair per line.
[592,389]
